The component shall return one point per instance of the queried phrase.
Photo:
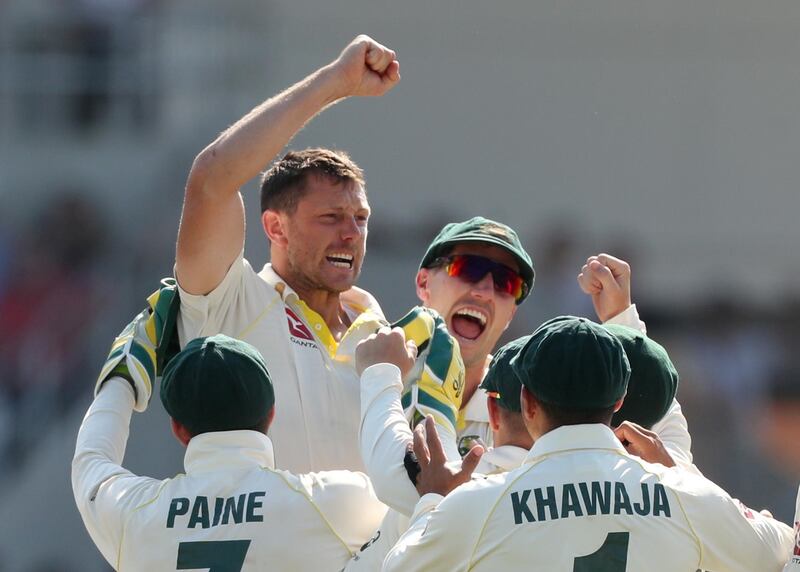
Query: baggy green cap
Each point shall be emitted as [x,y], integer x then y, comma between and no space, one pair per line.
[500,377]
[479,229]
[217,384]
[573,363]
[654,379]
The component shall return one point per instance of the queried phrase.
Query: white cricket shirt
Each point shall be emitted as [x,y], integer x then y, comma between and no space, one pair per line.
[580,503]
[316,385]
[231,508]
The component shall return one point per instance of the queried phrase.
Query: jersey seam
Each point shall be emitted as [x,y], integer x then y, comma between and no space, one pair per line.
[304,494]
[135,510]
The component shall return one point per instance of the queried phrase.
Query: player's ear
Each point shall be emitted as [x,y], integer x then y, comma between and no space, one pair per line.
[618,404]
[528,403]
[180,431]
[494,414]
[422,284]
[274,225]
[270,418]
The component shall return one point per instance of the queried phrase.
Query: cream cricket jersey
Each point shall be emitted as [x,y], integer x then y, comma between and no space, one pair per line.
[231,510]
[316,386]
[580,503]
[793,565]
[385,436]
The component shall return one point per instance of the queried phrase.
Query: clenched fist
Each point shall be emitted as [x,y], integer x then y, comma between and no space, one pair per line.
[366,68]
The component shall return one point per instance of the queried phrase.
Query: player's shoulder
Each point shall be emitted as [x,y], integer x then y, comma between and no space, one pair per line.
[363,301]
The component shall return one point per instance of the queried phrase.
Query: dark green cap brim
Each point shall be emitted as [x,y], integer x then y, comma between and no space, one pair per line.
[501,378]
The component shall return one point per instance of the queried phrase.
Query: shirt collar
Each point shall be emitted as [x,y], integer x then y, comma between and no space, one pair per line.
[355,300]
[228,450]
[574,437]
[505,457]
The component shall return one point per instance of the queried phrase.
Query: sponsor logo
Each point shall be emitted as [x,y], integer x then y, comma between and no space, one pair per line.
[797,538]
[297,328]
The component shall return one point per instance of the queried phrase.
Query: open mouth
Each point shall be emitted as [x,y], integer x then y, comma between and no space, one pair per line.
[340,259]
[469,323]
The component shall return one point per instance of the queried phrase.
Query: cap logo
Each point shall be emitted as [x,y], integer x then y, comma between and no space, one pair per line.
[495,230]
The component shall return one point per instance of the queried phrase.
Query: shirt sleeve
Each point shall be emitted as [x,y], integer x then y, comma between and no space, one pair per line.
[731,536]
[442,536]
[673,430]
[205,315]
[629,317]
[348,504]
[384,437]
[104,491]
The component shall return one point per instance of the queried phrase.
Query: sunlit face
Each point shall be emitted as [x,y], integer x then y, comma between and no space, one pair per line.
[326,237]
[476,314]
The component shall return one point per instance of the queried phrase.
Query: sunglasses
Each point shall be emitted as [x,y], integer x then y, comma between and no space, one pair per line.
[472,268]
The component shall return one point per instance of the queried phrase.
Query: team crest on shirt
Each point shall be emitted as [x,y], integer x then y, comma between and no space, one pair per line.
[297,328]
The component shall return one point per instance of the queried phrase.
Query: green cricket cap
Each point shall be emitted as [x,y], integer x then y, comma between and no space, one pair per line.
[654,379]
[479,229]
[217,384]
[500,378]
[573,363]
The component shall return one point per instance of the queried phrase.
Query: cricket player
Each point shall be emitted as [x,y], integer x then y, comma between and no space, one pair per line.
[385,435]
[302,311]
[580,501]
[232,509]
[474,274]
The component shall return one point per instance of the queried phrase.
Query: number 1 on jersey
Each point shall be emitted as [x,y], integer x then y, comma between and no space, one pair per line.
[612,556]
[219,556]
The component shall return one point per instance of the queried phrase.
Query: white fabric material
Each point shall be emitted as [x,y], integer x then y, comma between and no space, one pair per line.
[385,437]
[501,459]
[316,394]
[793,565]
[230,491]
[688,523]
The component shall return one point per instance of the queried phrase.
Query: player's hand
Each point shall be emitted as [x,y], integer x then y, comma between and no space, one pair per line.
[387,345]
[366,68]
[435,475]
[608,280]
[643,443]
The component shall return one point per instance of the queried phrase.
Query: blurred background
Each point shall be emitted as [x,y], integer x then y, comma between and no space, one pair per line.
[666,133]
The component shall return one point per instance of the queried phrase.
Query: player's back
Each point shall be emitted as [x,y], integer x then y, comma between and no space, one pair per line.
[251,519]
[580,503]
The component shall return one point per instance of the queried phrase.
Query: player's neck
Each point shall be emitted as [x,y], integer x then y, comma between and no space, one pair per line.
[473,375]
[326,303]
[329,306]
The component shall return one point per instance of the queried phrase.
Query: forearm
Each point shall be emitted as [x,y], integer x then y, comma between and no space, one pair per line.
[242,151]
[99,451]
[385,436]
[212,227]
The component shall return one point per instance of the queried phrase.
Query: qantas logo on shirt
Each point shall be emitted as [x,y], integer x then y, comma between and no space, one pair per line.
[797,538]
[297,328]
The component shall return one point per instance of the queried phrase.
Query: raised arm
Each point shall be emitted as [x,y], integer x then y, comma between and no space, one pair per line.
[211,233]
